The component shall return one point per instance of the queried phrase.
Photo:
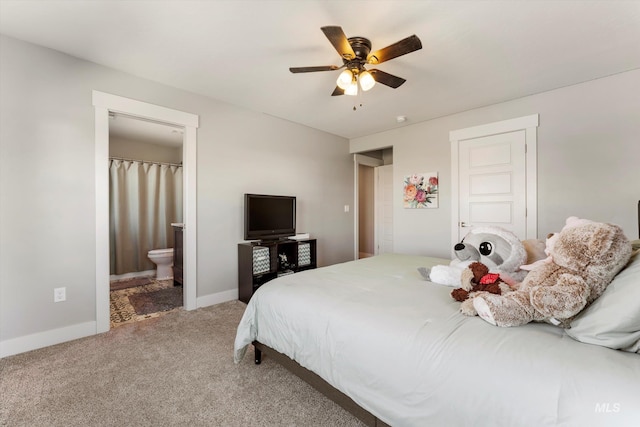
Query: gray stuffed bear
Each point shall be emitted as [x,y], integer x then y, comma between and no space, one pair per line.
[499,249]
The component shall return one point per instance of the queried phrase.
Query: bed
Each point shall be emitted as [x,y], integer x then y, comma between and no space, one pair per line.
[394,350]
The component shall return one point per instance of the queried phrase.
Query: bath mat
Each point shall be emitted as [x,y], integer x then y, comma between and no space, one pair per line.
[153,302]
[129,283]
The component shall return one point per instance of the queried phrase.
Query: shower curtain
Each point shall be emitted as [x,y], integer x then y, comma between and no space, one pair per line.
[144,199]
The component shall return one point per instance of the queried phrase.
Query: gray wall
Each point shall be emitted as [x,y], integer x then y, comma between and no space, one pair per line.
[47,179]
[588,159]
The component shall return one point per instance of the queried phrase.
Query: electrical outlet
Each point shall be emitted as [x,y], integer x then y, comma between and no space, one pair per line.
[59,294]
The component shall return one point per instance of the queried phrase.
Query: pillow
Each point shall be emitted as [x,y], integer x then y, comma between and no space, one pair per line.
[613,320]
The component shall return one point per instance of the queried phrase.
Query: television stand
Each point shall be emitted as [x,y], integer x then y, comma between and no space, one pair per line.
[260,262]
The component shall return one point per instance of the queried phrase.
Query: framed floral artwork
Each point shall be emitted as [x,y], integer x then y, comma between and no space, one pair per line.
[421,191]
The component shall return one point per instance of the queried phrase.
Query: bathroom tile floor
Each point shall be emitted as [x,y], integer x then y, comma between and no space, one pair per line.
[123,312]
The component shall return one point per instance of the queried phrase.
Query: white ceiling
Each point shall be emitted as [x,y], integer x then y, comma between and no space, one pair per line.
[475,53]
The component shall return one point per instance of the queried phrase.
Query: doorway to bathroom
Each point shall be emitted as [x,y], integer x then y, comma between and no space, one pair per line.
[106,105]
[145,218]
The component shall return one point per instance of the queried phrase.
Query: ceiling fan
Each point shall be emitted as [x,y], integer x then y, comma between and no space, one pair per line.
[356,53]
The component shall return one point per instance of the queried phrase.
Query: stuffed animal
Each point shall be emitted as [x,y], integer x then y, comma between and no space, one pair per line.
[572,221]
[543,259]
[446,274]
[476,278]
[536,252]
[497,248]
[584,260]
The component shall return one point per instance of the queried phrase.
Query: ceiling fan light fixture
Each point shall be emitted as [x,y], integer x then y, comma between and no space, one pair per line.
[366,80]
[355,53]
[344,79]
[352,89]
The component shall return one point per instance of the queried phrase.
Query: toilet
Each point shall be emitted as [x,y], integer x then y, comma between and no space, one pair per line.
[163,258]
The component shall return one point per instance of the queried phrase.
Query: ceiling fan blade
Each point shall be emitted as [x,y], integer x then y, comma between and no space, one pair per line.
[337,91]
[387,79]
[404,46]
[313,69]
[339,41]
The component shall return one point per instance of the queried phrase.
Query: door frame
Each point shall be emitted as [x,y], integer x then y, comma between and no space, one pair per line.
[527,123]
[378,207]
[104,103]
[359,159]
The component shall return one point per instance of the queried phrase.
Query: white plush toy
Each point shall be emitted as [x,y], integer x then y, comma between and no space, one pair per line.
[499,249]
[447,274]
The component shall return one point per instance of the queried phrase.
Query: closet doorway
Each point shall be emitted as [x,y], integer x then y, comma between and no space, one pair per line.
[105,105]
[373,219]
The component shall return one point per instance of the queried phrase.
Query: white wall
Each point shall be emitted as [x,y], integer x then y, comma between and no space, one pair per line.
[47,210]
[588,159]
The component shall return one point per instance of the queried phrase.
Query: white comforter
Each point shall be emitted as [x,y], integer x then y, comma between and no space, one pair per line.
[398,346]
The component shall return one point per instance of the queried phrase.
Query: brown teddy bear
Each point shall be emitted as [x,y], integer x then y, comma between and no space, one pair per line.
[584,260]
[477,278]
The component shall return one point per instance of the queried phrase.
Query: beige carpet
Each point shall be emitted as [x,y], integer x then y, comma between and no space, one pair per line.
[174,370]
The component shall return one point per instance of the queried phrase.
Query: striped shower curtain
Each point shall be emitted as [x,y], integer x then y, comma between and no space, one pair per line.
[144,199]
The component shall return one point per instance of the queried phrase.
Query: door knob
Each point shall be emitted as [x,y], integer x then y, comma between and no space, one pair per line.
[464,224]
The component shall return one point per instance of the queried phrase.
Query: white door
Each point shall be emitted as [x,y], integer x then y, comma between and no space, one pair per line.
[494,175]
[492,179]
[384,209]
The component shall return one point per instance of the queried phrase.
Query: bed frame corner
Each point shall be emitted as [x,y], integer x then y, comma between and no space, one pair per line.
[319,384]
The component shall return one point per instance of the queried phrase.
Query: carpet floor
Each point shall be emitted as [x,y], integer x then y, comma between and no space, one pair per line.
[142,298]
[174,370]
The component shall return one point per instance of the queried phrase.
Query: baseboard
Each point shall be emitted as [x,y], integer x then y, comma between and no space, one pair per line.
[45,339]
[217,298]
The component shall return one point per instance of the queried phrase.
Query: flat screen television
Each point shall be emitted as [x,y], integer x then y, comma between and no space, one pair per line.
[269,217]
